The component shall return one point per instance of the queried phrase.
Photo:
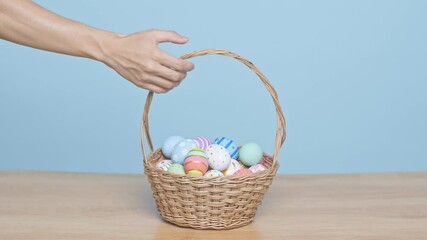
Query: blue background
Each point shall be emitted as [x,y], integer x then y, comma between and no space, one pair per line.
[351,76]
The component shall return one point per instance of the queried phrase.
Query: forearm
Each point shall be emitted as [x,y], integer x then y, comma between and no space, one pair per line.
[26,23]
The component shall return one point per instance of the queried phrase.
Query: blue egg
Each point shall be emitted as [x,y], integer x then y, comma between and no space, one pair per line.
[169,144]
[230,145]
[181,149]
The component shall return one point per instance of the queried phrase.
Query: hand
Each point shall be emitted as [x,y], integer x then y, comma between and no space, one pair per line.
[137,58]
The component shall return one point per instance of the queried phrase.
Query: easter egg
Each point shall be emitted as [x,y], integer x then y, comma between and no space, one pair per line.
[257,167]
[164,164]
[202,142]
[218,157]
[195,173]
[230,145]
[197,152]
[196,160]
[213,173]
[177,169]
[234,166]
[242,172]
[250,154]
[241,165]
[169,144]
[181,149]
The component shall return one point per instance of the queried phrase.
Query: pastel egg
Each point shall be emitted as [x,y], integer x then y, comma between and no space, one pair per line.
[242,165]
[195,173]
[202,142]
[230,145]
[197,152]
[218,157]
[177,169]
[250,154]
[244,171]
[213,173]
[169,144]
[194,162]
[181,150]
[164,164]
[257,168]
[234,167]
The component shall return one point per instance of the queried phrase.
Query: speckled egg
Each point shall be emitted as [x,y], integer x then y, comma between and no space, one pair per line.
[181,150]
[164,164]
[257,168]
[234,167]
[218,157]
[196,161]
[202,142]
[177,169]
[169,145]
[250,154]
[230,145]
[242,172]
[213,173]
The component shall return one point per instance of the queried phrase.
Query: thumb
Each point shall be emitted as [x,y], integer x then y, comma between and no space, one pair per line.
[168,36]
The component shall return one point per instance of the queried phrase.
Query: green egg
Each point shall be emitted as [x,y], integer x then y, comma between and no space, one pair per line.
[177,169]
[250,154]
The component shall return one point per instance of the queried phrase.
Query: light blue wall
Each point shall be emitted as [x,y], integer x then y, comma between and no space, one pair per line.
[351,75]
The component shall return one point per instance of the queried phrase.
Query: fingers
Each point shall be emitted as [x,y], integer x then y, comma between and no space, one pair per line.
[175,63]
[157,84]
[153,88]
[171,75]
[168,36]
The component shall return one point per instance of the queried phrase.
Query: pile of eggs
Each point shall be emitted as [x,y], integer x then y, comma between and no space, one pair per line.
[202,157]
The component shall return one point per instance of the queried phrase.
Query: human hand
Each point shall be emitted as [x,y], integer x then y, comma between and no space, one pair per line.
[137,58]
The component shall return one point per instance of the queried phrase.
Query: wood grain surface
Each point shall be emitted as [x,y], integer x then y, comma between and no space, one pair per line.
[51,205]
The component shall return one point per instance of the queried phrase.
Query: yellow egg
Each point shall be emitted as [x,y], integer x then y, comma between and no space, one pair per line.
[195,172]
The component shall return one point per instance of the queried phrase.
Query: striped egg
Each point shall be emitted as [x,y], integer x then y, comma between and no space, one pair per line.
[213,173]
[195,162]
[230,145]
[234,167]
[242,166]
[202,142]
[164,164]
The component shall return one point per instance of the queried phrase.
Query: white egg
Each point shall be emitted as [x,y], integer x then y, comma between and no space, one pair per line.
[218,157]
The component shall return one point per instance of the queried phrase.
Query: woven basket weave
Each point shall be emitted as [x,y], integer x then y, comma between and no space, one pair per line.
[211,203]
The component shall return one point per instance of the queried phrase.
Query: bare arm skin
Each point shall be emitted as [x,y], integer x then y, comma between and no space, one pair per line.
[136,57]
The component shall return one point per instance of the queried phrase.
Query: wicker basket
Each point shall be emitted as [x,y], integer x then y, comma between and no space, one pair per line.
[211,203]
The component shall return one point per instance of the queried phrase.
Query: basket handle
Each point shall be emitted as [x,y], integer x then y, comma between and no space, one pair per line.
[281,122]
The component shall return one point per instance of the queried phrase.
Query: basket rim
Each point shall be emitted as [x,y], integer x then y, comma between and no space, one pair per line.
[149,165]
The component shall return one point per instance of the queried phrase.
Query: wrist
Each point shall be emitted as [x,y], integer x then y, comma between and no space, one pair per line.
[100,45]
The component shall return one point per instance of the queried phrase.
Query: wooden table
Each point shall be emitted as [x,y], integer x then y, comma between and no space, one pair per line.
[48,205]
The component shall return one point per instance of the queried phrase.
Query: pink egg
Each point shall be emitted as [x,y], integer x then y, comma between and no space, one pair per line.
[242,172]
[196,163]
[257,168]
